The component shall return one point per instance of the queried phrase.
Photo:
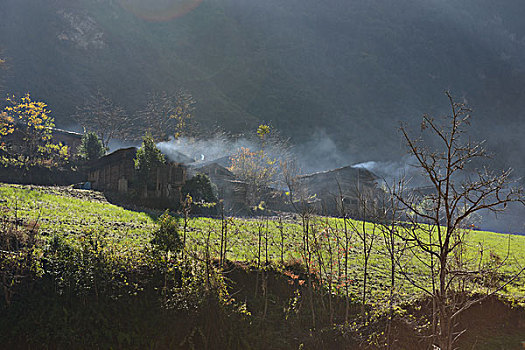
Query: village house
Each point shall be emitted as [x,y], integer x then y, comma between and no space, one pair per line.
[15,140]
[116,172]
[334,191]
[69,138]
[237,195]
[230,190]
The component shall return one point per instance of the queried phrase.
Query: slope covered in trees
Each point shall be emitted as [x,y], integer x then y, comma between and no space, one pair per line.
[346,71]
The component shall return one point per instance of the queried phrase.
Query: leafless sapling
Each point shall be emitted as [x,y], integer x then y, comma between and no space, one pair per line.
[445,155]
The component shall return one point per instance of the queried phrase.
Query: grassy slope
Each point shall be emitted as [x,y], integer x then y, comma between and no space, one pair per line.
[69,213]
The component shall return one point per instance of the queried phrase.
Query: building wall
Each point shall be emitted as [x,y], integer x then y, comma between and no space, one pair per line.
[116,173]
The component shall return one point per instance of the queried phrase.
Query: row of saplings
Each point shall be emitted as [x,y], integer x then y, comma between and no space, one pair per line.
[83,294]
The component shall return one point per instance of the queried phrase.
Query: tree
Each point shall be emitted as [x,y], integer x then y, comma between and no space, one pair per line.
[107,120]
[201,189]
[301,202]
[6,122]
[35,123]
[148,159]
[91,148]
[168,115]
[439,219]
[184,107]
[366,210]
[258,169]
[166,238]
[7,125]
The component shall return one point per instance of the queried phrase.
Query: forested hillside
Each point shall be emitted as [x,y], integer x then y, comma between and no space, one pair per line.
[344,71]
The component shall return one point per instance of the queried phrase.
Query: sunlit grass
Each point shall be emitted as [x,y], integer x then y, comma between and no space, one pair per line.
[127,233]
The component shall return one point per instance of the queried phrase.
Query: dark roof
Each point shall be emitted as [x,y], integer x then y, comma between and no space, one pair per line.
[349,170]
[120,155]
[178,157]
[123,154]
[213,169]
[67,132]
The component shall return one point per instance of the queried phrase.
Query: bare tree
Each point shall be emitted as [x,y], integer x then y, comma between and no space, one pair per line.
[109,121]
[301,202]
[389,224]
[343,210]
[168,115]
[367,211]
[438,218]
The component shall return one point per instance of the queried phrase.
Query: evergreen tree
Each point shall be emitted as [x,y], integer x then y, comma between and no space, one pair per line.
[148,159]
[91,147]
[200,188]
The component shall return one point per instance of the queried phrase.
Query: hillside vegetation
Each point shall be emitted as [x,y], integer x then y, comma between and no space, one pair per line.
[96,279]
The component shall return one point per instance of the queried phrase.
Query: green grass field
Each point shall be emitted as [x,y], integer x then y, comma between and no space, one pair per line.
[71,214]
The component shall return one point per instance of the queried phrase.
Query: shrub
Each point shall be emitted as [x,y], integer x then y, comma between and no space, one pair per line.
[17,245]
[167,238]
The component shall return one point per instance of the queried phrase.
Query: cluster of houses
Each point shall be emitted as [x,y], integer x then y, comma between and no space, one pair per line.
[329,192]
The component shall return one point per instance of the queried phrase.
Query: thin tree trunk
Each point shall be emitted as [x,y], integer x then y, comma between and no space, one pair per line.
[266,242]
[281,230]
[347,293]
[309,275]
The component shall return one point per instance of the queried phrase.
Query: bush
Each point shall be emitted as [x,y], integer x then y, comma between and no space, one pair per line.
[167,238]
[17,246]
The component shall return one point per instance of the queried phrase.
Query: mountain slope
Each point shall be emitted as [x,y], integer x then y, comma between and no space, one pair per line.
[346,71]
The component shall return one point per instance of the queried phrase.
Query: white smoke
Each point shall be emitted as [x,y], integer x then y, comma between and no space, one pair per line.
[391,171]
[216,147]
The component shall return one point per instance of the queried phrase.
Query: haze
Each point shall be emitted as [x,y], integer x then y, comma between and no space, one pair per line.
[335,77]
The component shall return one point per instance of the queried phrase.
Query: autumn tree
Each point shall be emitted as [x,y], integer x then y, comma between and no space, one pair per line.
[7,125]
[34,122]
[256,168]
[168,115]
[438,228]
[6,122]
[107,120]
